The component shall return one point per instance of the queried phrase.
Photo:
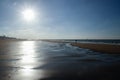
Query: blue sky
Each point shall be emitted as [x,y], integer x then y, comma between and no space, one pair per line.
[66,19]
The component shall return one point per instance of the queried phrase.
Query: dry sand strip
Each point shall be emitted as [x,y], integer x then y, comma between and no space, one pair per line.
[104,48]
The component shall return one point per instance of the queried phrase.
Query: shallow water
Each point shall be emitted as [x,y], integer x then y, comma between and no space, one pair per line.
[37,60]
[95,41]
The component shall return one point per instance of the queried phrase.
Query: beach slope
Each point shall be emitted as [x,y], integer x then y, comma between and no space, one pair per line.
[104,48]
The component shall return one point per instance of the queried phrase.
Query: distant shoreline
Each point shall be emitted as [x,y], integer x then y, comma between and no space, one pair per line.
[7,40]
[104,48]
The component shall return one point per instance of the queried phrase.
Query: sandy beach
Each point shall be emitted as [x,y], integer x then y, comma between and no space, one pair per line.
[105,48]
[42,60]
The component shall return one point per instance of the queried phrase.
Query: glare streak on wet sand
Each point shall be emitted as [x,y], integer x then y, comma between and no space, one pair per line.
[38,60]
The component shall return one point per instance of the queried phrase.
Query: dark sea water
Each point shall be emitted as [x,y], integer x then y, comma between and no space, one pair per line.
[96,41]
[39,60]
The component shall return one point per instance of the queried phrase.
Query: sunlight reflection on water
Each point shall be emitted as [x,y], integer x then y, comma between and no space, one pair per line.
[28,60]
[28,49]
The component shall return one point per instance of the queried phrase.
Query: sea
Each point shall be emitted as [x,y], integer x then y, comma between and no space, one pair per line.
[95,41]
[42,60]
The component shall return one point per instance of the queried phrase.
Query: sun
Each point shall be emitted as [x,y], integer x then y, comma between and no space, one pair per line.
[28,14]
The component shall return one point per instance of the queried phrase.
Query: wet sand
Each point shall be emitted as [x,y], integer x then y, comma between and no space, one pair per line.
[105,48]
[38,60]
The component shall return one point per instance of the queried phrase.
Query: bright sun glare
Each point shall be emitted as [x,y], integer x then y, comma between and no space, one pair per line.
[28,14]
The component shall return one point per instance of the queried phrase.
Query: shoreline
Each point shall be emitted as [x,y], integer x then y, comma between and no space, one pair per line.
[104,48]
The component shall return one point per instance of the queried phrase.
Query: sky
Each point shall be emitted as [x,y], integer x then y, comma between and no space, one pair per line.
[61,19]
